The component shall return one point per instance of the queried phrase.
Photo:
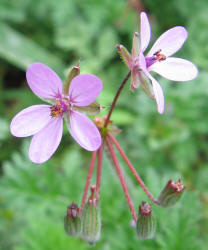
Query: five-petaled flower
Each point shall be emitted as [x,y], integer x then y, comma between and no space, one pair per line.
[45,122]
[158,60]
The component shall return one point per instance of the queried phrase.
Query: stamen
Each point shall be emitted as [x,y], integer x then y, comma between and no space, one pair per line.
[60,107]
[158,56]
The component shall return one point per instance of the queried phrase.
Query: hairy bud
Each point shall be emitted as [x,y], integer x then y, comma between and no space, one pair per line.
[171,193]
[91,220]
[146,222]
[72,222]
[125,55]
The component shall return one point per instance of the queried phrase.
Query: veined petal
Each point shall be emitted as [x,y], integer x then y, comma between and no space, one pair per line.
[145,31]
[30,120]
[43,81]
[175,69]
[84,131]
[84,89]
[170,41]
[158,92]
[46,141]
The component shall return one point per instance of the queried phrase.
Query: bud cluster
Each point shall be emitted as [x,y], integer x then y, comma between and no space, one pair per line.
[86,225]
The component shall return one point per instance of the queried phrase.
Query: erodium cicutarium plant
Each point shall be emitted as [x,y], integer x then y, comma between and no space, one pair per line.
[75,99]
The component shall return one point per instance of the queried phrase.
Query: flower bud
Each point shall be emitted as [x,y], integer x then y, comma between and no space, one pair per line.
[72,222]
[91,220]
[75,71]
[171,193]
[146,222]
[125,55]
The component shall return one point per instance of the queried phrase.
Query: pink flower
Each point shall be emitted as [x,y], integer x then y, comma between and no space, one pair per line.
[158,60]
[45,122]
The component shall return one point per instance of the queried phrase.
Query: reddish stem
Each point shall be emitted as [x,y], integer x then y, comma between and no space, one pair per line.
[89,175]
[99,168]
[116,98]
[133,170]
[120,175]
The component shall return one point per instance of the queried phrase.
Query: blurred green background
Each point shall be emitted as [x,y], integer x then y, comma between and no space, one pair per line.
[33,198]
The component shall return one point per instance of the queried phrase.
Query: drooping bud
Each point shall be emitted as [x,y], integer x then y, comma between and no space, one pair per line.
[146,223]
[125,55]
[72,222]
[171,193]
[91,219]
[75,71]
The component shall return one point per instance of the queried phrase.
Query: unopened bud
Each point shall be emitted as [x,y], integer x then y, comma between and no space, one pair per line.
[91,220]
[72,222]
[75,71]
[171,193]
[146,222]
[125,55]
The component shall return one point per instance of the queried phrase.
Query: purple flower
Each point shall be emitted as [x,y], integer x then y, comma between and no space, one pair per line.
[45,122]
[158,60]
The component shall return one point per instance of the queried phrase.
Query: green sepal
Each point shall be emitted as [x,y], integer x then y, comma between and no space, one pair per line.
[92,109]
[91,223]
[125,55]
[170,194]
[75,71]
[146,223]
[72,226]
[135,45]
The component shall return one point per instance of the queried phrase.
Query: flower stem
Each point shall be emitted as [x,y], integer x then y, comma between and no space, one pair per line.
[99,168]
[89,175]
[116,98]
[133,170]
[120,175]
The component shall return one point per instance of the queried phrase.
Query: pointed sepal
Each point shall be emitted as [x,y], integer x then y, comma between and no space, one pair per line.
[91,220]
[146,223]
[72,222]
[125,55]
[171,193]
[135,45]
[92,109]
[75,71]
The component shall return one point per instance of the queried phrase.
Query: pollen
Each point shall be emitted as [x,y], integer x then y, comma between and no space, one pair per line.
[59,108]
[158,56]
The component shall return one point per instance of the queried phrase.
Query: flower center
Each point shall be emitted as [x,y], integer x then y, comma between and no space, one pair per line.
[61,106]
[157,57]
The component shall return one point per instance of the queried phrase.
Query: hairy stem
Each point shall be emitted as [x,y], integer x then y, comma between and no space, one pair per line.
[87,184]
[99,168]
[133,170]
[120,175]
[116,98]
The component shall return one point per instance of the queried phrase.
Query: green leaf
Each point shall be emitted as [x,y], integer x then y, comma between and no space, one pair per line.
[21,51]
